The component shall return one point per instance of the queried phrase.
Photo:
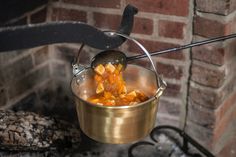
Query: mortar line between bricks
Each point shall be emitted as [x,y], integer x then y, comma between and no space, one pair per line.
[166,115]
[49,12]
[199,105]
[155,37]
[230,110]
[190,122]
[170,61]
[217,17]
[171,99]
[40,66]
[118,11]
[25,53]
[13,101]
[214,66]
[215,89]
[208,65]
[218,108]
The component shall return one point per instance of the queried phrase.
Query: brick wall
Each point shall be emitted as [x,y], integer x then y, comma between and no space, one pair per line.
[200,80]
[23,71]
[212,103]
[27,76]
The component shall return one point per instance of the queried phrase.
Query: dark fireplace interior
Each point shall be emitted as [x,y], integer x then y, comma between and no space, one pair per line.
[200,98]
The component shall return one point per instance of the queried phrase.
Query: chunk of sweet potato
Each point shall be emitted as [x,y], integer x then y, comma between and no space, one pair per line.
[100,88]
[100,69]
[110,68]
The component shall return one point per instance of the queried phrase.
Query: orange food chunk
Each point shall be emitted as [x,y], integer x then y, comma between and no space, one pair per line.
[111,88]
[100,88]
[98,78]
[119,67]
[133,94]
[100,69]
[110,68]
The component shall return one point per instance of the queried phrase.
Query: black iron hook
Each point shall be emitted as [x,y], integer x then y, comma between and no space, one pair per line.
[28,36]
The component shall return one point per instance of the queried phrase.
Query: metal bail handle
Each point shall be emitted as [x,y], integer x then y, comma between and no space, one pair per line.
[160,82]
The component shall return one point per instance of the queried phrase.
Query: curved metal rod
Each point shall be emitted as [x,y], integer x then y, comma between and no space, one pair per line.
[161,83]
[130,151]
[28,36]
[185,137]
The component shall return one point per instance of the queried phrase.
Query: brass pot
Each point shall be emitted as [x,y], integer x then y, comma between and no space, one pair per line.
[118,124]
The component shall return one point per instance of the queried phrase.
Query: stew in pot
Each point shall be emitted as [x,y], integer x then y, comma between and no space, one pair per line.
[111,88]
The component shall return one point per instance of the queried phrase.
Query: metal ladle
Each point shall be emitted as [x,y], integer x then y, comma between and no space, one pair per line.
[116,57]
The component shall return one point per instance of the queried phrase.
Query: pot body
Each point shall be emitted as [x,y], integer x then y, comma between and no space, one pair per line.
[117,124]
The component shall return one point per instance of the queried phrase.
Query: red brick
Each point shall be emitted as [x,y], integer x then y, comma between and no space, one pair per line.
[217,53]
[169,71]
[206,76]
[227,106]
[230,50]
[208,27]
[230,26]
[169,108]
[209,53]
[171,29]
[212,98]
[201,134]
[96,3]
[68,15]
[201,115]
[168,7]
[107,21]
[172,90]
[224,123]
[229,149]
[141,25]
[232,6]
[214,6]
[39,17]
[204,97]
[154,46]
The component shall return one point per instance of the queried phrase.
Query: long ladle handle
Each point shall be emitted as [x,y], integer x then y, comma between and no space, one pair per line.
[183,47]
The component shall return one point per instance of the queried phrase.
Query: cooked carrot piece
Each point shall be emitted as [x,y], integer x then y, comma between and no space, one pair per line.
[98,78]
[100,69]
[111,88]
[100,88]
[110,68]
